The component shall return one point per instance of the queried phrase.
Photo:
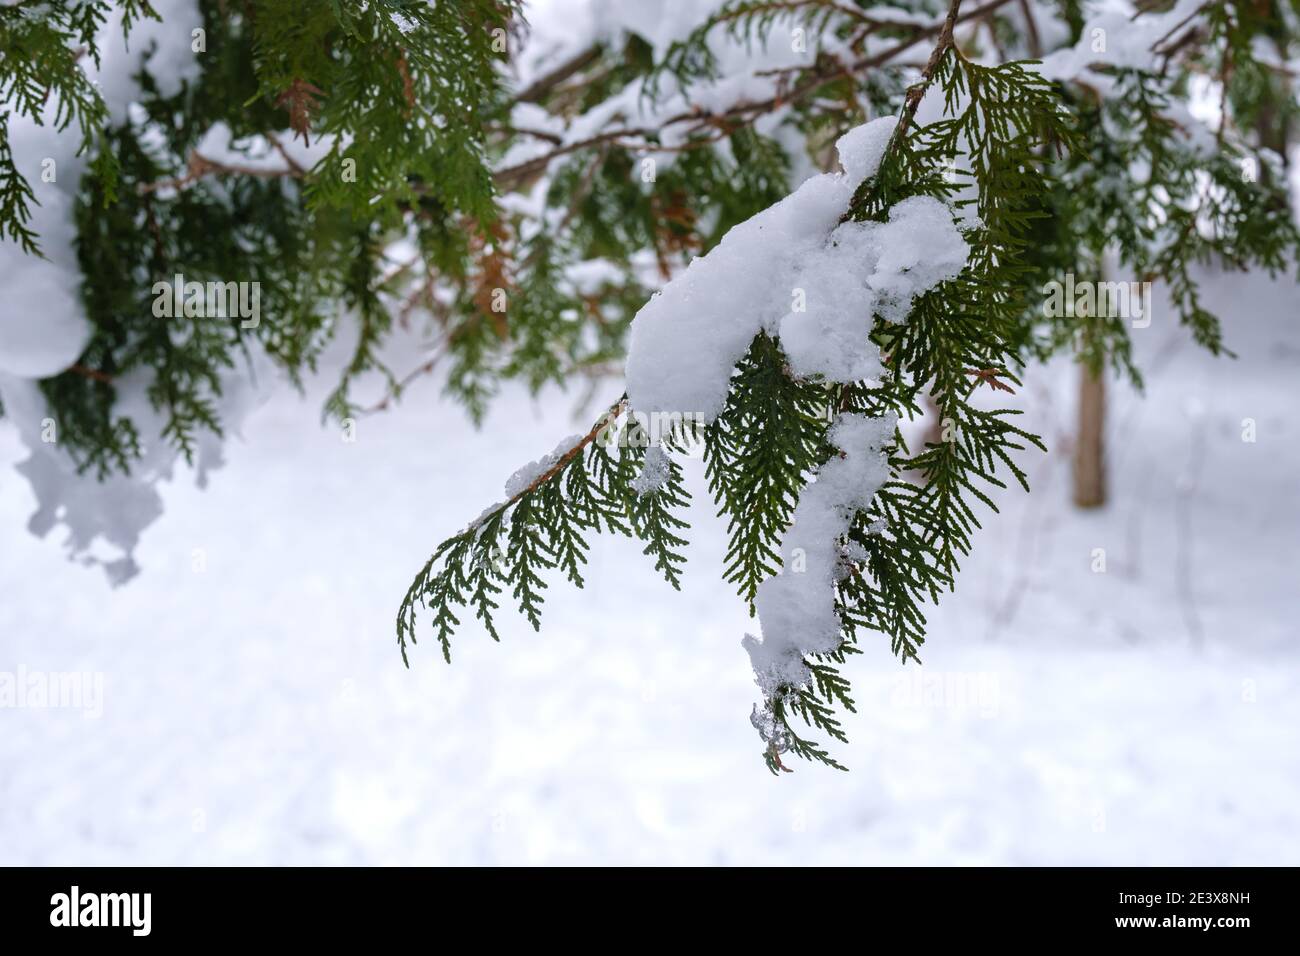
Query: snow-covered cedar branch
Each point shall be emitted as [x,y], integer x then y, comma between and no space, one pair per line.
[797,342]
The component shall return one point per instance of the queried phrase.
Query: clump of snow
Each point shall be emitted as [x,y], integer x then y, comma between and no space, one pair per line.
[826,330]
[687,339]
[795,271]
[530,472]
[655,471]
[797,606]
[861,149]
[867,269]
[42,326]
[919,248]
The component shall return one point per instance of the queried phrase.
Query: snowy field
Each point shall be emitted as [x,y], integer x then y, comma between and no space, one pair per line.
[256,711]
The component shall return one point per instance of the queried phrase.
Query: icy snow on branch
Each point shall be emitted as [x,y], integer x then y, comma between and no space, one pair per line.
[797,606]
[524,477]
[798,273]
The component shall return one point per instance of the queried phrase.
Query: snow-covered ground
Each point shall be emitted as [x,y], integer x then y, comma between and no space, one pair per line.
[255,709]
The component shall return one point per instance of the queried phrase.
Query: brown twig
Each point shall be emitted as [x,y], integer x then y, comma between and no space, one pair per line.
[92,373]
[1031,29]
[916,92]
[1155,47]
[294,167]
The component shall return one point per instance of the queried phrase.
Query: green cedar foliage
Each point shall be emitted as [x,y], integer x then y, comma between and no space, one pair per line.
[589,488]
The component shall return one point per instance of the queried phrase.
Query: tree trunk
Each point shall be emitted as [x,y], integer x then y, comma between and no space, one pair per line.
[1090,440]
